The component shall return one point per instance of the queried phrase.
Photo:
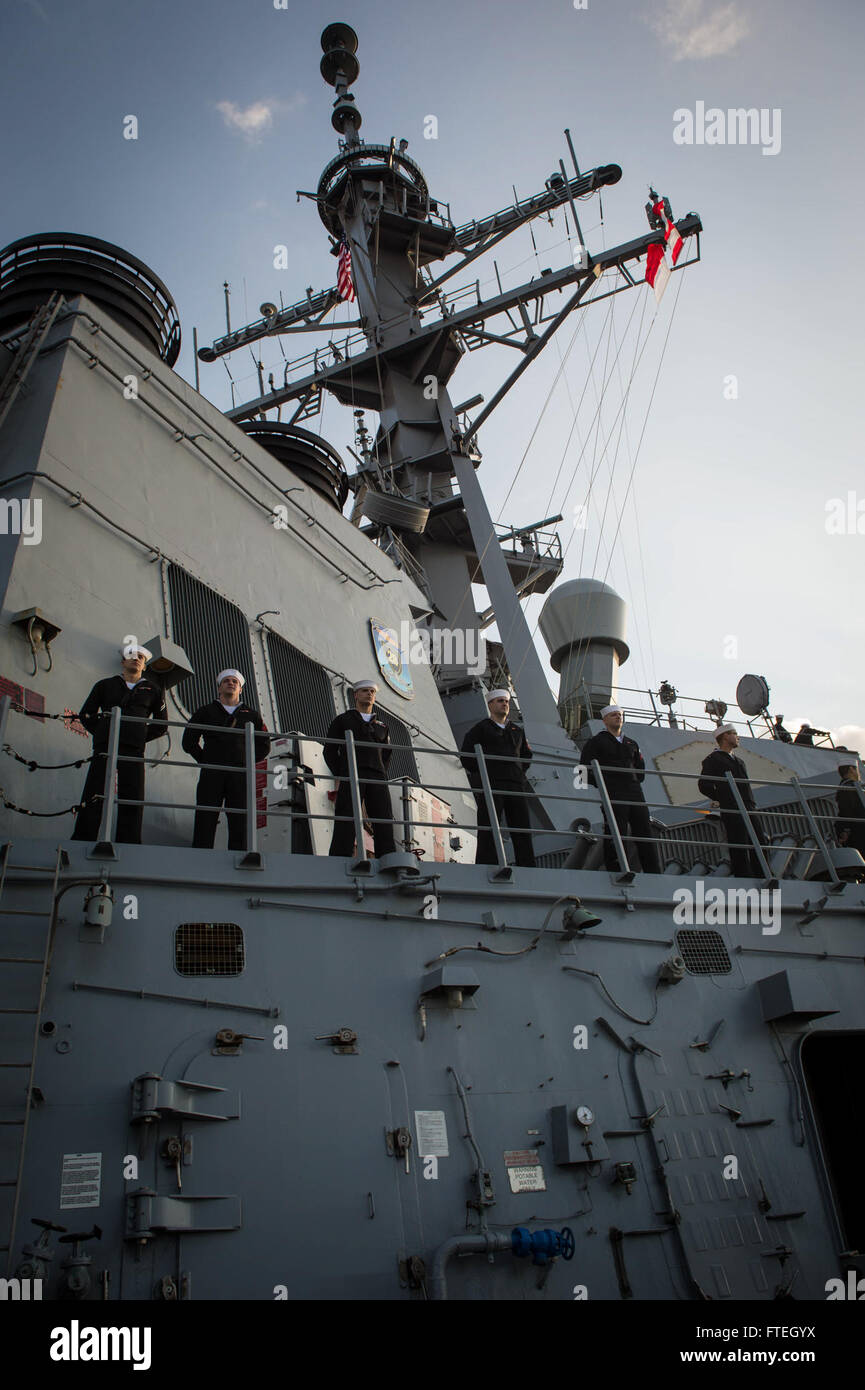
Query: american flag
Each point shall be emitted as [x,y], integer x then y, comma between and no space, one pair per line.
[344,282]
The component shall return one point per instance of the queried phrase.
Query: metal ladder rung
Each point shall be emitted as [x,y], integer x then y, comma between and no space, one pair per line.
[21,912]
[11,1122]
[14,1064]
[19,1011]
[21,960]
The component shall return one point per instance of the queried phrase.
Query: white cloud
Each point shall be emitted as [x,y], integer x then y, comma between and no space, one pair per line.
[851,736]
[252,121]
[692,29]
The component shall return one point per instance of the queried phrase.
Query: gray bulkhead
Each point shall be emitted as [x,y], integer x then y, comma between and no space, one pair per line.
[310,1198]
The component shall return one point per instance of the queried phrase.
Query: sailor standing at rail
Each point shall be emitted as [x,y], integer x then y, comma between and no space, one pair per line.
[623,770]
[138,698]
[372,765]
[850,825]
[713,783]
[500,738]
[218,786]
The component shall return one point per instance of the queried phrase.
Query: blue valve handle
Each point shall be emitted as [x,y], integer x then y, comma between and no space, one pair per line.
[542,1245]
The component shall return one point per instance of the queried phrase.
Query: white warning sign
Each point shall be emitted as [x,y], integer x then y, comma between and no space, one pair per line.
[432,1133]
[525,1173]
[80,1181]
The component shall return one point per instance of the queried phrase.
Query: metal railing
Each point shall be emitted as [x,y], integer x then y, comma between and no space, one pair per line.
[485,785]
[655,711]
[533,544]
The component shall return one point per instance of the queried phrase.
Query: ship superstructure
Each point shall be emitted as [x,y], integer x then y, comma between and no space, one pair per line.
[279,1074]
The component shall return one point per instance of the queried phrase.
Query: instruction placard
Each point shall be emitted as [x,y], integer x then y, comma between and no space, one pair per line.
[80,1181]
[432,1133]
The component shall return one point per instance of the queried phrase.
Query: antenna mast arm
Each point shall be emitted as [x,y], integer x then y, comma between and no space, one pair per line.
[303,317]
[415,342]
[475,238]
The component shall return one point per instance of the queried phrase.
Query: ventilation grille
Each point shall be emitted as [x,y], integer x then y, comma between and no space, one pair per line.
[402,763]
[304,696]
[213,633]
[208,948]
[703,952]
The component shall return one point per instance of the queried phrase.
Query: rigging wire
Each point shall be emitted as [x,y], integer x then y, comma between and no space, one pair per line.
[638,357]
[557,377]
[563,362]
[645,668]
[595,425]
[575,428]
[540,418]
[601,537]
[639,443]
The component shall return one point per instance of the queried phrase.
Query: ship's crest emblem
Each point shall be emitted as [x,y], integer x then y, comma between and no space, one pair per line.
[392,659]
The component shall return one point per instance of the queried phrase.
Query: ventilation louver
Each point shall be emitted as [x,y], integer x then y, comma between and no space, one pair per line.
[208,948]
[703,952]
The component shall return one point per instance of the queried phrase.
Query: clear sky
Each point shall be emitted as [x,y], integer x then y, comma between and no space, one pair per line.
[723,553]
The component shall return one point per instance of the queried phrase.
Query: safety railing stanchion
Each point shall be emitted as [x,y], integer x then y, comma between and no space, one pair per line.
[351,759]
[752,834]
[103,847]
[815,830]
[5,706]
[495,828]
[407,834]
[249,775]
[612,823]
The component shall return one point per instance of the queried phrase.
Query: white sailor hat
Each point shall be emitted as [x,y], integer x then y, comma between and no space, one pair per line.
[133,650]
[499,694]
[365,685]
[611,709]
[223,675]
[725,729]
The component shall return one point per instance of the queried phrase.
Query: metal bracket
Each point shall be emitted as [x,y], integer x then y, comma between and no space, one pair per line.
[148,1214]
[176,1151]
[412,1271]
[153,1099]
[626,1174]
[483,1182]
[230,1044]
[491,922]
[344,1041]
[398,1143]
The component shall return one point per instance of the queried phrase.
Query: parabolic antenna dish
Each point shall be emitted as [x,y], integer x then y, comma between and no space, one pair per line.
[752,695]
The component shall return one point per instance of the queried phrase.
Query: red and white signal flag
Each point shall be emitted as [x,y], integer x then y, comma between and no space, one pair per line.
[657,270]
[344,282]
